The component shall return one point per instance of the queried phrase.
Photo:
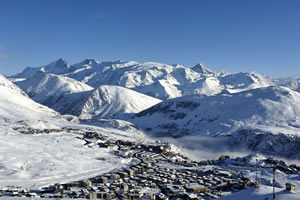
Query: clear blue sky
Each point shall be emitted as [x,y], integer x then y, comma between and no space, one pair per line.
[225,35]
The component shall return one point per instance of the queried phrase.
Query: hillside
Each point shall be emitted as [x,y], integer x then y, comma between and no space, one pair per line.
[16,105]
[107,101]
[55,153]
[263,119]
[47,89]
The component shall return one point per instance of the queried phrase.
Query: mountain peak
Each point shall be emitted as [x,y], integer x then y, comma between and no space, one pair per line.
[200,68]
[59,66]
[89,61]
[60,63]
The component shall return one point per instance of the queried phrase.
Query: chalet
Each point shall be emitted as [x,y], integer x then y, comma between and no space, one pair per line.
[124,187]
[150,196]
[175,189]
[94,189]
[190,196]
[225,173]
[290,187]
[123,174]
[103,179]
[73,188]
[108,144]
[86,183]
[85,192]
[295,167]
[115,177]
[224,157]
[285,168]
[59,191]
[161,196]
[195,187]
[211,195]
[133,196]
[221,186]
[100,195]
[91,135]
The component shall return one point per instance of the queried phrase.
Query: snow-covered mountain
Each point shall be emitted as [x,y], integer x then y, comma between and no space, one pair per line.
[107,101]
[224,113]
[69,96]
[158,80]
[197,101]
[244,81]
[59,66]
[165,81]
[263,119]
[290,82]
[16,105]
[47,89]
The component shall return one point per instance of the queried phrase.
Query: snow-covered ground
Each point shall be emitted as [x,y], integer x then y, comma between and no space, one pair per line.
[264,193]
[33,161]
[30,198]
[265,178]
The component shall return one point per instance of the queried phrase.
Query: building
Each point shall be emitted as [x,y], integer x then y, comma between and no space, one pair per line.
[133,196]
[100,195]
[103,179]
[124,187]
[224,157]
[130,172]
[195,187]
[175,189]
[290,187]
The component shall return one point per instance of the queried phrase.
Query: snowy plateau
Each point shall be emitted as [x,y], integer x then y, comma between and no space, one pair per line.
[65,126]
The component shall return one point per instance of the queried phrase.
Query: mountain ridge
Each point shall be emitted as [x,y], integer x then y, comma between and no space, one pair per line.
[158,80]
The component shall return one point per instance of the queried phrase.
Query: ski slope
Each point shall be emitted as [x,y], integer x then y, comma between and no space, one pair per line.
[36,160]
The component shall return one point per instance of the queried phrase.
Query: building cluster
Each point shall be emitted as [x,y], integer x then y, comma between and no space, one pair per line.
[282,166]
[29,130]
[269,163]
[157,173]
